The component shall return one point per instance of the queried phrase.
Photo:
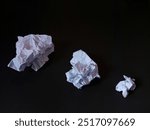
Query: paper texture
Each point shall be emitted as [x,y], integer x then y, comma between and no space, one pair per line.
[126,85]
[32,50]
[84,69]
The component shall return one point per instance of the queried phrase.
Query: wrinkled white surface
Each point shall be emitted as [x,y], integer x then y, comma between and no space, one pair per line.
[126,85]
[84,69]
[32,50]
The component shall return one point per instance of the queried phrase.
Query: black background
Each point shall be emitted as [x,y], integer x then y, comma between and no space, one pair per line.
[115,34]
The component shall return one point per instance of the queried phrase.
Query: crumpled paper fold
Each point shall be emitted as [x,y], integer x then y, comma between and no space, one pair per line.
[32,50]
[126,85]
[83,71]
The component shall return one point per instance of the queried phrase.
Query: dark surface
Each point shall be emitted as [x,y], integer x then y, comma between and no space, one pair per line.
[115,34]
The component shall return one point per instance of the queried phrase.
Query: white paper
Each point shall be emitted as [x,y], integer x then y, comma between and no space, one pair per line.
[32,50]
[126,85]
[84,69]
